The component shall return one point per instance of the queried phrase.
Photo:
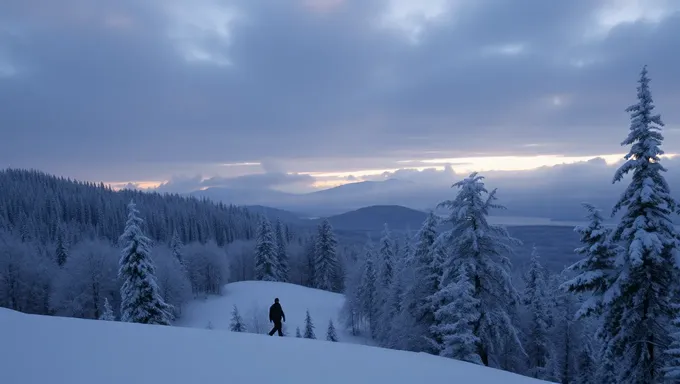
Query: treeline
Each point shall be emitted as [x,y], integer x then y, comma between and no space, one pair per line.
[613,317]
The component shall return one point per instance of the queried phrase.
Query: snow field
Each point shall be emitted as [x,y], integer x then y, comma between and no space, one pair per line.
[253,299]
[42,349]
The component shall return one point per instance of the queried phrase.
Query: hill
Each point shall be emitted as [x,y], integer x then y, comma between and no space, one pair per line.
[374,218]
[253,299]
[42,349]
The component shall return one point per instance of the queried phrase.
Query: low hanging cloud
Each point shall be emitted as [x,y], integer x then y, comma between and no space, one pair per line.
[258,181]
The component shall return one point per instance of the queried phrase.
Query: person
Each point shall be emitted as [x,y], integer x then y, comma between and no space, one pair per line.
[275,316]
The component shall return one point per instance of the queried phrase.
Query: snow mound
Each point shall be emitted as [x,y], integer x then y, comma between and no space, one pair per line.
[42,349]
[253,298]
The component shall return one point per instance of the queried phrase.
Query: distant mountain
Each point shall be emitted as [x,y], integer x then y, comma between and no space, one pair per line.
[274,213]
[375,217]
[326,202]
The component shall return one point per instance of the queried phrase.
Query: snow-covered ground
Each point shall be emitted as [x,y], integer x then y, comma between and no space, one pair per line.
[41,350]
[253,298]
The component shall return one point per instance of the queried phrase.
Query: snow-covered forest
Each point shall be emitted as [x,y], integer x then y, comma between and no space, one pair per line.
[82,250]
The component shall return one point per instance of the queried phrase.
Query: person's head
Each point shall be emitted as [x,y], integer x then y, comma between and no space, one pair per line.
[276,300]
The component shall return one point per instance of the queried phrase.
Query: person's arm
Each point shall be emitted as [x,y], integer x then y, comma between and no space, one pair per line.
[271,318]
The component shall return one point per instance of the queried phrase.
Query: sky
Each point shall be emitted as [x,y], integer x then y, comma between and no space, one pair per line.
[298,95]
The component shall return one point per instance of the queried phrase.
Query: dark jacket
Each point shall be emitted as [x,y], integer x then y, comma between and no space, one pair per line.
[276,313]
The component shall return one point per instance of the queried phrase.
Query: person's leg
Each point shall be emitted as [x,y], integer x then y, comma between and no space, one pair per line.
[280,329]
[271,333]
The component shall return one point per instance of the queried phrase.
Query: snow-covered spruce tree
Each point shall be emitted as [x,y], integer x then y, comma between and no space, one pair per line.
[586,365]
[596,270]
[266,260]
[176,246]
[237,324]
[331,335]
[141,301]
[368,294]
[386,273]
[640,303]
[483,248]
[107,314]
[61,251]
[281,252]
[566,332]
[457,317]
[309,327]
[298,334]
[396,332]
[432,339]
[424,284]
[534,298]
[326,258]
[672,367]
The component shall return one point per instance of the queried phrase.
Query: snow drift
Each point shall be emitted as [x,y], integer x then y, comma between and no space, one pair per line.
[41,349]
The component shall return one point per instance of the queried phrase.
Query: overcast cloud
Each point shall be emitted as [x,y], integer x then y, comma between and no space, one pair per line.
[147,90]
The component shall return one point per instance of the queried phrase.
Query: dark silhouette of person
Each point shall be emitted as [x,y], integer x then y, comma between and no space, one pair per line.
[275,316]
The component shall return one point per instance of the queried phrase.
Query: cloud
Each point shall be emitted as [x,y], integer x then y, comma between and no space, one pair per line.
[100,87]
[255,182]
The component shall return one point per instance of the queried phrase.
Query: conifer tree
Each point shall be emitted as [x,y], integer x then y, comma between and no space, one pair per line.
[266,260]
[368,294]
[237,324]
[326,262]
[141,301]
[176,246]
[107,314]
[297,332]
[596,269]
[535,295]
[309,327]
[281,253]
[641,307]
[331,335]
[483,248]
[672,367]
[456,319]
[62,252]
[586,366]
[425,283]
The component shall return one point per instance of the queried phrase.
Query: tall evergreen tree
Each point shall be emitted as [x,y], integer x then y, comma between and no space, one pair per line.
[427,272]
[237,324]
[62,251]
[596,270]
[331,335]
[457,317]
[368,294]
[141,301]
[281,253]
[641,305]
[535,296]
[326,262]
[266,260]
[107,314]
[483,248]
[586,366]
[176,246]
[309,327]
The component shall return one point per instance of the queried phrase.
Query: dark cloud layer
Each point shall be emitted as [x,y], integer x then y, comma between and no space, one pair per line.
[98,85]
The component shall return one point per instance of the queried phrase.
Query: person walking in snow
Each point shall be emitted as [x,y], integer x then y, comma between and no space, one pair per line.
[275,316]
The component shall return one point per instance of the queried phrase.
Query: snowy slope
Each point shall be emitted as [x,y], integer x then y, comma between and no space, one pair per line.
[41,350]
[253,298]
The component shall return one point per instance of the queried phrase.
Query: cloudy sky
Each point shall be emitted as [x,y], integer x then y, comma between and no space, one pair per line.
[292,94]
